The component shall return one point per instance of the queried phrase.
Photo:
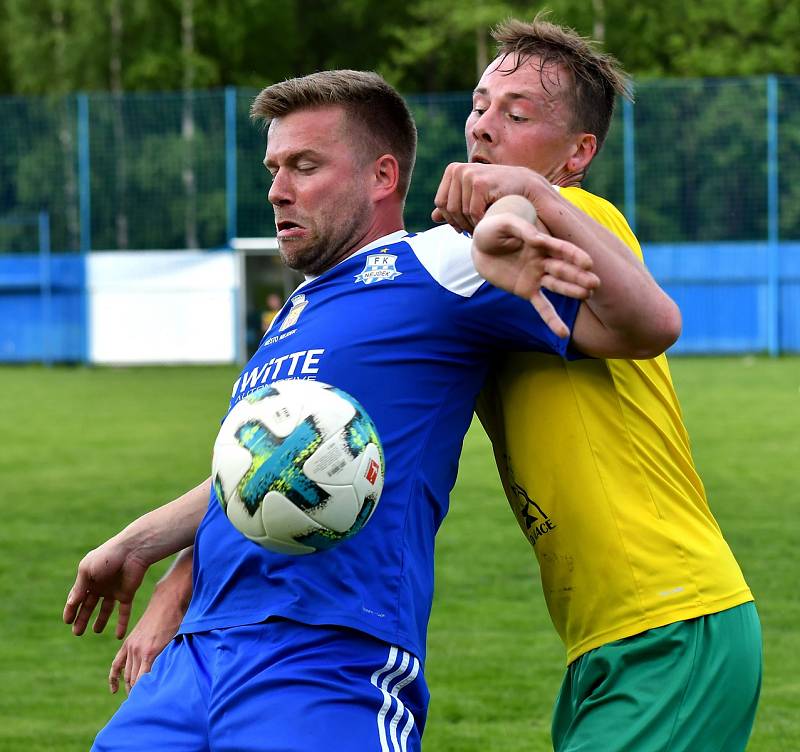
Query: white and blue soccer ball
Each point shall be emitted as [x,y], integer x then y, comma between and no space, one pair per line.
[298,466]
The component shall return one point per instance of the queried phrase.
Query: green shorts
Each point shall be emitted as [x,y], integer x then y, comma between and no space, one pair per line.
[691,686]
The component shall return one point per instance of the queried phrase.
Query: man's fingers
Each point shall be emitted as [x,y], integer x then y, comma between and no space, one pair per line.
[144,667]
[545,309]
[71,607]
[478,204]
[544,245]
[453,207]
[130,665]
[75,598]
[437,216]
[467,192]
[106,609]
[442,212]
[567,289]
[565,271]
[116,667]
[123,618]
[443,191]
[84,614]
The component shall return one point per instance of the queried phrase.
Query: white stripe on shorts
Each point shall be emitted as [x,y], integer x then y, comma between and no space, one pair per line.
[393,694]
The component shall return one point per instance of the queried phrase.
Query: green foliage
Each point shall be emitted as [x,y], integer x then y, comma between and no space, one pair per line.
[57,46]
[90,449]
[700,144]
[443,43]
[440,123]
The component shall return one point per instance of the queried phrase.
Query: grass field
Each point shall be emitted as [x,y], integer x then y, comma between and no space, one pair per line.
[86,450]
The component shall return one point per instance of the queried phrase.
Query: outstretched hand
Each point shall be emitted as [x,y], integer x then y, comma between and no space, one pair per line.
[158,625]
[512,254]
[108,575]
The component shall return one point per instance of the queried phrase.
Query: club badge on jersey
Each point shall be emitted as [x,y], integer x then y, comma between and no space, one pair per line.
[379,266]
[299,303]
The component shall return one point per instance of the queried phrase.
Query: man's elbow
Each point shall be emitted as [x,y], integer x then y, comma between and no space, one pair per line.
[662,332]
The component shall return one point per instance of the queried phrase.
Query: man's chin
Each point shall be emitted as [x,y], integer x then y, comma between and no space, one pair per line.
[293,255]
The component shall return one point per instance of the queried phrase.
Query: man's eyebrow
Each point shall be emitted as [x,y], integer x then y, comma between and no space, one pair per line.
[523,94]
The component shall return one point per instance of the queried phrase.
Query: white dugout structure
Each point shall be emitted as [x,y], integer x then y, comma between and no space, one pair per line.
[170,307]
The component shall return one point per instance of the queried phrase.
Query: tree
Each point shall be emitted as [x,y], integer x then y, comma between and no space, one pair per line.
[444,44]
[187,123]
[116,23]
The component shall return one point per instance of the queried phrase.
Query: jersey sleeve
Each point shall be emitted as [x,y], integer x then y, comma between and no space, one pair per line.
[506,322]
[491,317]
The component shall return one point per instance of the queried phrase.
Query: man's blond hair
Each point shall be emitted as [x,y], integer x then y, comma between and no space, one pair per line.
[597,77]
[378,117]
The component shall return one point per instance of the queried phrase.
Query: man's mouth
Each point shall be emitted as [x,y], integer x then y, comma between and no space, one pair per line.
[479,159]
[288,229]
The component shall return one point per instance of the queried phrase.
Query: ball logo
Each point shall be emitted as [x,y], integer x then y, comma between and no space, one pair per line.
[372,472]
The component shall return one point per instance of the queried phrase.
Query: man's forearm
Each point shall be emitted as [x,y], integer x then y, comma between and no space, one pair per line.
[629,303]
[176,584]
[168,529]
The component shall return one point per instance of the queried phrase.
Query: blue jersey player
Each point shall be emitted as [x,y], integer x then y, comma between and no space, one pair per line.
[301,654]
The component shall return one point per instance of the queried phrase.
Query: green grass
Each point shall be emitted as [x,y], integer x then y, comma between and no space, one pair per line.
[86,450]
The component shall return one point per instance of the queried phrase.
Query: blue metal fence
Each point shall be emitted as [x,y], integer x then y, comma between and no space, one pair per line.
[694,164]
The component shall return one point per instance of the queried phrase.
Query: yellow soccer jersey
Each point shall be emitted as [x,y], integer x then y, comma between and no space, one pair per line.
[596,464]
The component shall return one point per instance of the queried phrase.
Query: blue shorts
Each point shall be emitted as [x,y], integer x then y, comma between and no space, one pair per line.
[278,685]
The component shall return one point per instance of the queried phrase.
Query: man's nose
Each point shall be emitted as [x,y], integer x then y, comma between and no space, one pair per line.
[280,192]
[482,128]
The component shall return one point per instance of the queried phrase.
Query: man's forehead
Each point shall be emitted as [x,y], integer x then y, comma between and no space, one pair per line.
[306,129]
[316,118]
[524,78]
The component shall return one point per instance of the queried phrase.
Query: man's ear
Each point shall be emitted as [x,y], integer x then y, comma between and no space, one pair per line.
[585,149]
[386,174]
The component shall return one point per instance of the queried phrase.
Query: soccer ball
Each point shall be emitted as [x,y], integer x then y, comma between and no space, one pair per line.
[298,466]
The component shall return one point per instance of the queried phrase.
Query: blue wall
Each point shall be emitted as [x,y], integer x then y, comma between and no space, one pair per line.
[42,308]
[723,290]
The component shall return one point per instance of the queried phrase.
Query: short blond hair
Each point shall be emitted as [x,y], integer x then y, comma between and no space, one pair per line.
[597,76]
[374,109]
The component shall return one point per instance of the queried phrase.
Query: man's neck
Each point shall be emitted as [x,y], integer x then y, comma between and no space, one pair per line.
[374,233]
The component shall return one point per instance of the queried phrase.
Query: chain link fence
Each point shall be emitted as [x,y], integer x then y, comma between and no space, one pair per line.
[690,161]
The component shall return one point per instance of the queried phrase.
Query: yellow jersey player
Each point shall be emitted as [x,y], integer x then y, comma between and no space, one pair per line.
[662,637]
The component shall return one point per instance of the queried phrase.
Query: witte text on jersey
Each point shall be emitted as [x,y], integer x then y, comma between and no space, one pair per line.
[303,364]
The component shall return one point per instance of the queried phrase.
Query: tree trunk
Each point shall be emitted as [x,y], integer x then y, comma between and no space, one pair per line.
[65,138]
[120,138]
[481,51]
[599,28]
[187,124]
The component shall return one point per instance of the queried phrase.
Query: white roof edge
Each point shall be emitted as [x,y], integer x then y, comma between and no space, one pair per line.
[253,244]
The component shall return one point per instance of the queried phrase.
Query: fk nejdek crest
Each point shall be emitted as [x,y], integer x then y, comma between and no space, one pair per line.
[379,266]
[299,303]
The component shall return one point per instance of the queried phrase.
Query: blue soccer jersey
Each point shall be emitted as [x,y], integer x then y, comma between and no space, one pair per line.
[408,328]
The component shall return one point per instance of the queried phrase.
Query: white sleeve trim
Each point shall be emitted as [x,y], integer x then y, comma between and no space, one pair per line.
[447,257]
